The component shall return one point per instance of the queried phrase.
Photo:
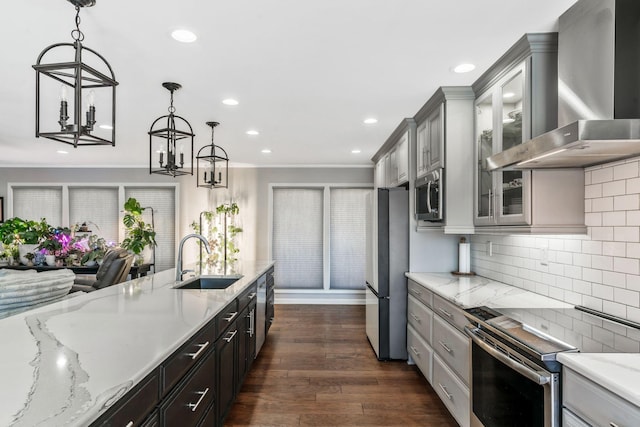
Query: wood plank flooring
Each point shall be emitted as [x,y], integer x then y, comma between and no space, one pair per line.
[318,369]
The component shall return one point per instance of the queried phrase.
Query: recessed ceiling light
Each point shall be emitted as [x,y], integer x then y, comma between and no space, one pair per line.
[464,68]
[356,151]
[107,127]
[253,132]
[266,151]
[370,121]
[508,95]
[230,101]
[62,152]
[184,36]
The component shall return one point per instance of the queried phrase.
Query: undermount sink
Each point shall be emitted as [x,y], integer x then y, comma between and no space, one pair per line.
[209,282]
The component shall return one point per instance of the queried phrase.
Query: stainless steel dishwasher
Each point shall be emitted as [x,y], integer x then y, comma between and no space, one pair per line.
[261,312]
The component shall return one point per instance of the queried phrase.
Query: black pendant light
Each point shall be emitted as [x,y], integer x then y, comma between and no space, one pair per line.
[169,137]
[213,164]
[86,79]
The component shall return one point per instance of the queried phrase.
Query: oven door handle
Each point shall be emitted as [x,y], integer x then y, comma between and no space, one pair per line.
[518,367]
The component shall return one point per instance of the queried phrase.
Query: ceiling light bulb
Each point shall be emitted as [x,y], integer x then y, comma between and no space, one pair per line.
[62,152]
[230,101]
[508,95]
[266,151]
[464,68]
[253,132]
[370,121]
[356,151]
[184,36]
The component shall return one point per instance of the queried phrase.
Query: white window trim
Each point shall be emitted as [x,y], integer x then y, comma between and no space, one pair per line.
[324,295]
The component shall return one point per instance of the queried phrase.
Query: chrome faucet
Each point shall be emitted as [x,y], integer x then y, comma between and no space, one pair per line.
[179,270]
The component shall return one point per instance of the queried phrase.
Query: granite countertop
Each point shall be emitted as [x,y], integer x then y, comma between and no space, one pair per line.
[617,372]
[67,362]
[475,291]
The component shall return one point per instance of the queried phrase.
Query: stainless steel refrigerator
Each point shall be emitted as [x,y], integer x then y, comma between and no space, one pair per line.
[387,245]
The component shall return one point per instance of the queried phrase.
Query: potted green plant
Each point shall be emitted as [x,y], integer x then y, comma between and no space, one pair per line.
[139,234]
[25,234]
[51,246]
[221,230]
[98,247]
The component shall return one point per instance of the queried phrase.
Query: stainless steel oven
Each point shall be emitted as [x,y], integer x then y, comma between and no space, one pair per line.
[429,192]
[512,383]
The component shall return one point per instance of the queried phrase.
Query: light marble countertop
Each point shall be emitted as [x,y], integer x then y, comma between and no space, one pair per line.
[617,372]
[475,291]
[67,362]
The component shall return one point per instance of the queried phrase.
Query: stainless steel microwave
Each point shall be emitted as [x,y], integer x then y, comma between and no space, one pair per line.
[429,192]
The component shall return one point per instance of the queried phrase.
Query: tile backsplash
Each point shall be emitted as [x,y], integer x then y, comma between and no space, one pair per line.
[600,270]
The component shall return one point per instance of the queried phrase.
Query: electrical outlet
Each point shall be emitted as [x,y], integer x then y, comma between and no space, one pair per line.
[490,248]
[544,256]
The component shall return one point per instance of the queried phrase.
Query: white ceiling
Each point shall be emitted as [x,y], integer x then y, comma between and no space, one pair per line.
[306,72]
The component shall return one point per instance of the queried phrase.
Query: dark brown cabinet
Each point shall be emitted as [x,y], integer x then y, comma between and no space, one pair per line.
[270,314]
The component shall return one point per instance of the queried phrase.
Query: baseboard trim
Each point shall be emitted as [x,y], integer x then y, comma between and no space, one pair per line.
[319,296]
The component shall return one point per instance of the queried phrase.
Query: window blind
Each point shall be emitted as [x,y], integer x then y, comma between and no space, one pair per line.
[98,205]
[162,200]
[347,238]
[34,203]
[297,237]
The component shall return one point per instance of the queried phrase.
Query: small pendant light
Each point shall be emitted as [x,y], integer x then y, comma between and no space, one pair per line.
[213,164]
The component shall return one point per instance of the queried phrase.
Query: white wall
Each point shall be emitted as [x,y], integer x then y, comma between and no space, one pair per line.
[600,270]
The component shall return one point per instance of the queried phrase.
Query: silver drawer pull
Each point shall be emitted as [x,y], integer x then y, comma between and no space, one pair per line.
[233,334]
[444,390]
[200,350]
[612,424]
[415,351]
[252,295]
[446,347]
[414,291]
[129,424]
[416,318]
[445,312]
[231,316]
[202,394]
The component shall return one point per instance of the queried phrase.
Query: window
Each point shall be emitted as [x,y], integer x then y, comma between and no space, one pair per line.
[98,205]
[34,203]
[318,237]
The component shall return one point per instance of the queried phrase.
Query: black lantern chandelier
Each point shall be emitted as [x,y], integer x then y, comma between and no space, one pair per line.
[78,81]
[213,164]
[167,142]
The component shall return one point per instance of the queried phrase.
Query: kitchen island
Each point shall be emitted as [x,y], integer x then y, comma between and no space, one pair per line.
[69,362]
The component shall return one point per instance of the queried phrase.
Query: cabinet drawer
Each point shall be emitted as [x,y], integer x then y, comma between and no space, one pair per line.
[595,404]
[452,392]
[569,419]
[191,353]
[226,317]
[136,407]
[420,317]
[419,351]
[247,296]
[452,346]
[420,293]
[193,398]
[450,312]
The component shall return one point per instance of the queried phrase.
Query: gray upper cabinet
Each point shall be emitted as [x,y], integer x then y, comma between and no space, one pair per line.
[516,99]
[444,140]
[392,159]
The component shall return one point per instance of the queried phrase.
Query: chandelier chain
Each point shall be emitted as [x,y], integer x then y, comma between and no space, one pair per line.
[171,108]
[76,34]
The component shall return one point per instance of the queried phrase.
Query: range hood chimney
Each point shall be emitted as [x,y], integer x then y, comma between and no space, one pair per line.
[598,91]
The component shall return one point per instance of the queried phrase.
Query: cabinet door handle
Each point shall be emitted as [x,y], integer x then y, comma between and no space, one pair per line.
[200,350]
[233,334]
[202,394]
[444,390]
[416,318]
[415,351]
[490,198]
[129,424]
[252,295]
[445,312]
[612,424]
[446,347]
[231,316]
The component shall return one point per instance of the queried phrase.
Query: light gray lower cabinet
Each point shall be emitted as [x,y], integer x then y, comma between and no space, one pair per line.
[438,346]
[587,403]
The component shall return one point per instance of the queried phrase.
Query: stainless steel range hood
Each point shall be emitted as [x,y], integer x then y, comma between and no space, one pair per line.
[598,91]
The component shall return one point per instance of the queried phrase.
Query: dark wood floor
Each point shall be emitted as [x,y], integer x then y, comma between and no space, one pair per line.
[318,369]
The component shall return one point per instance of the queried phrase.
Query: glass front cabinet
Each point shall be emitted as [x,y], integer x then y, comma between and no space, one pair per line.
[516,99]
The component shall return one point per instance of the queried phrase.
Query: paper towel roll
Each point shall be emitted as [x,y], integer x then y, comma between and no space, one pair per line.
[464,258]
